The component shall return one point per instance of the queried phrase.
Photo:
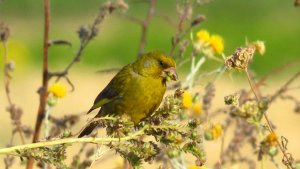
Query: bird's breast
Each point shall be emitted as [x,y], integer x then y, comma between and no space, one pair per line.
[143,97]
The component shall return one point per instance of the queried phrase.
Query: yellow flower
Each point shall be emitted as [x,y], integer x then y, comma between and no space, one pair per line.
[216,131]
[187,100]
[197,167]
[272,139]
[217,43]
[58,90]
[203,35]
[197,109]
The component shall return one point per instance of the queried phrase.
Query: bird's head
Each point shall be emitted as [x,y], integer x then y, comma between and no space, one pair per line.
[157,65]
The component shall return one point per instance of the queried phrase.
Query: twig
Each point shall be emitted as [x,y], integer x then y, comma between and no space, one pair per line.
[251,85]
[86,35]
[43,90]
[284,88]
[275,71]
[176,39]
[166,18]
[7,69]
[6,74]
[280,91]
[180,31]
[145,26]
[131,18]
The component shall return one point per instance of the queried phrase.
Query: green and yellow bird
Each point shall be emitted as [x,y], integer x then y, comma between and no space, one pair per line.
[136,90]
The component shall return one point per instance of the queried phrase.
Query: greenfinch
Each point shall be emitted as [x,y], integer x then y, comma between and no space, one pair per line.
[136,90]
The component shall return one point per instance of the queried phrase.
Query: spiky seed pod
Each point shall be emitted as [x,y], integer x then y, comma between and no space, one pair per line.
[240,59]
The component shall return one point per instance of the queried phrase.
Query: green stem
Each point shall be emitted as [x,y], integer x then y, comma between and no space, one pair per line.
[13,150]
[189,82]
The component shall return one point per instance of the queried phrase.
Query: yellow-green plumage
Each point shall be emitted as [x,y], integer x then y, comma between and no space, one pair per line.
[137,90]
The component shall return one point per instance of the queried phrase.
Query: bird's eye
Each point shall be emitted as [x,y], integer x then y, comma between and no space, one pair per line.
[161,63]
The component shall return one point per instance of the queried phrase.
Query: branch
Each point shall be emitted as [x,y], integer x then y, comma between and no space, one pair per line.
[284,88]
[13,150]
[144,24]
[86,34]
[43,90]
[180,33]
[275,71]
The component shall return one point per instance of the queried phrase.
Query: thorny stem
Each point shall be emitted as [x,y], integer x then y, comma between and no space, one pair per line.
[43,91]
[172,127]
[94,140]
[7,89]
[289,165]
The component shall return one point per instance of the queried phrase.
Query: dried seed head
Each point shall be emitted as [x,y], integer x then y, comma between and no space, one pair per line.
[232,99]
[83,33]
[240,59]
[249,109]
[178,93]
[4,32]
[199,19]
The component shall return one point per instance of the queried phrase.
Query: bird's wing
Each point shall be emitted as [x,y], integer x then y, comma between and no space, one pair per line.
[115,88]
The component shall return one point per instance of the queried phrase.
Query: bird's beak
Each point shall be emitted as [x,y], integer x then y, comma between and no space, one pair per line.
[170,74]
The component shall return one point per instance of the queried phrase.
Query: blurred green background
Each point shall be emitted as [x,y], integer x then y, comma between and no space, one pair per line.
[276,22]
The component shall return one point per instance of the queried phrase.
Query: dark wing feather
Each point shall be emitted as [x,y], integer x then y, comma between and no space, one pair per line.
[115,88]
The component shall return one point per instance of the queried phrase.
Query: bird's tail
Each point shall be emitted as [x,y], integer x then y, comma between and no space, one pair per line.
[88,129]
